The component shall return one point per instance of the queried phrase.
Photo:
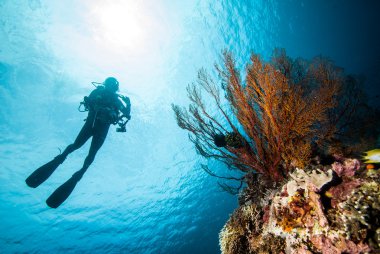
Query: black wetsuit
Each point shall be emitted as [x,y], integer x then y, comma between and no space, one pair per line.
[104,107]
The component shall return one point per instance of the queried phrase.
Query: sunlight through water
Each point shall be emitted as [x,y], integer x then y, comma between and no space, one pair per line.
[120,24]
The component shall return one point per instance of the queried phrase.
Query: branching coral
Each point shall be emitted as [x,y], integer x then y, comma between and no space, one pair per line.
[242,234]
[242,225]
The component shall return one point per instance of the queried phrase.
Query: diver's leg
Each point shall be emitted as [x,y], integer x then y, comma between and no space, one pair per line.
[64,191]
[84,134]
[41,174]
[99,136]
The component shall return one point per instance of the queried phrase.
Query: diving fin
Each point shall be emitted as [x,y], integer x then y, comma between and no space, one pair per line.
[64,191]
[41,174]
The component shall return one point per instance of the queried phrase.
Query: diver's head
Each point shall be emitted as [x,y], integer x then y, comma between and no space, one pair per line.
[111,84]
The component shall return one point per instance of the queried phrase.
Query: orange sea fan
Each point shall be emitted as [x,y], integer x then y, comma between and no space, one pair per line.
[278,111]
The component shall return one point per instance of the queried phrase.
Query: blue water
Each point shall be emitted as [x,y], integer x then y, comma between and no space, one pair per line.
[145,192]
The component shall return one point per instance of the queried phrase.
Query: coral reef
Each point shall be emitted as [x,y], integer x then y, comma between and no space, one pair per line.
[284,131]
[320,209]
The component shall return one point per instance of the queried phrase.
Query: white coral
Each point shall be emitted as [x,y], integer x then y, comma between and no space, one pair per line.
[301,180]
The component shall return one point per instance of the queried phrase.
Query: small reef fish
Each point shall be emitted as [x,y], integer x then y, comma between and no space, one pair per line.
[328,194]
[372,156]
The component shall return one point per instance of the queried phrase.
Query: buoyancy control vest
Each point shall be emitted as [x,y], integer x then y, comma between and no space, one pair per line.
[104,104]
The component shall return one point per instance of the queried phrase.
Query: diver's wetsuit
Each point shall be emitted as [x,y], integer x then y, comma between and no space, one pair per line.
[104,107]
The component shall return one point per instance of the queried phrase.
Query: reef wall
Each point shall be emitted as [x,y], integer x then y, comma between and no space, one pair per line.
[319,209]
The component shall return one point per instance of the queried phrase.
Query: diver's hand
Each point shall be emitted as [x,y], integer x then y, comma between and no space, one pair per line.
[125,99]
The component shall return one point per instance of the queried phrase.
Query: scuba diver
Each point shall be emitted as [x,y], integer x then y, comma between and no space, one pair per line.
[104,107]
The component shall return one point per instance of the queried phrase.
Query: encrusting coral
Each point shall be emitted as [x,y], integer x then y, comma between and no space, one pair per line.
[315,211]
[317,179]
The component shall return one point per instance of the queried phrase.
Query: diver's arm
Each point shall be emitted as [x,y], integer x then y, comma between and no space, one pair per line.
[126,110]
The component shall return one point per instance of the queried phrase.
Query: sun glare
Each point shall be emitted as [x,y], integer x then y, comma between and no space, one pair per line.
[118,24]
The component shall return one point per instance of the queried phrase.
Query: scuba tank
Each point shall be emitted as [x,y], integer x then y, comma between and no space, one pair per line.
[85,103]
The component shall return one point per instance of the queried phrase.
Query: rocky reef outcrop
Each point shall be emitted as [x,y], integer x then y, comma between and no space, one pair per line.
[320,209]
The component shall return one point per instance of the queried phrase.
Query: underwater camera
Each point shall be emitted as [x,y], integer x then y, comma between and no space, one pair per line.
[121,129]
[122,123]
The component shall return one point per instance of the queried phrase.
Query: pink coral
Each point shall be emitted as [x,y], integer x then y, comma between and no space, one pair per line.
[348,168]
[341,192]
[303,250]
[347,246]
[324,244]
[356,248]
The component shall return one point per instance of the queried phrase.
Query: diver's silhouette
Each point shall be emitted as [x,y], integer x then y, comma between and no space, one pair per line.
[104,107]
